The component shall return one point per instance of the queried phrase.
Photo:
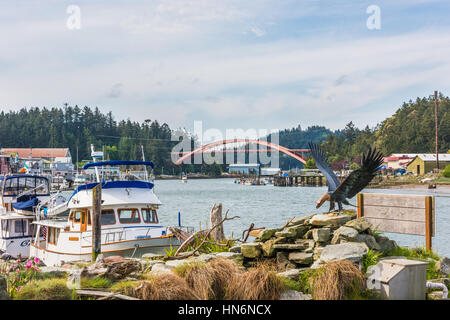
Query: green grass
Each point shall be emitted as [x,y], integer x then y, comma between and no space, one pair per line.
[182,269]
[371,258]
[46,289]
[124,287]
[291,284]
[419,253]
[100,282]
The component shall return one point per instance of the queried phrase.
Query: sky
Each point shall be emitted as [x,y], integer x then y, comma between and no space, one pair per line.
[259,64]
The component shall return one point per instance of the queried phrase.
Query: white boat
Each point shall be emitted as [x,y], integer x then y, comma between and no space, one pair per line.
[184,178]
[129,222]
[20,196]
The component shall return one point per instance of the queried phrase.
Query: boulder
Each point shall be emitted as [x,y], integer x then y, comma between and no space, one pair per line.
[360,224]
[177,263]
[352,251]
[285,233]
[265,234]
[321,234]
[301,258]
[317,252]
[160,268]
[298,230]
[236,249]
[344,233]
[300,220]
[227,255]
[385,243]
[204,257]
[112,259]
[251,250]
[369,240]
[283,262]
[267,248]
[3,288]
[292,274]
[329,219]
[443,265]
[292,246]
[294,295]
[309,234]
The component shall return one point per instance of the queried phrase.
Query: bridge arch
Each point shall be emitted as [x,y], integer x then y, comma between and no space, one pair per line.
[229,141]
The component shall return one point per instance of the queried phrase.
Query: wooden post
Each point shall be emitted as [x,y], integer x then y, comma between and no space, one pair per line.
[428,222]
[96,220]
[360,205]
[216,217]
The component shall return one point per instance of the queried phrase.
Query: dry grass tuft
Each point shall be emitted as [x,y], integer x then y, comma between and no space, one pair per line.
[200,278]
[165,287]
[258,283]
[224,271]
[337,280]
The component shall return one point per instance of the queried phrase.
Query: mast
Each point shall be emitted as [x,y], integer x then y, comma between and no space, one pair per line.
[143,159]
[436,125]
[95,160]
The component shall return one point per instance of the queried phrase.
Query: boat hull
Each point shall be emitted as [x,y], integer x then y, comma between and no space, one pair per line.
[134,249]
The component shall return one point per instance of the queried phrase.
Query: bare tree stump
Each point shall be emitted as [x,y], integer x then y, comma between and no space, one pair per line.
[217,234]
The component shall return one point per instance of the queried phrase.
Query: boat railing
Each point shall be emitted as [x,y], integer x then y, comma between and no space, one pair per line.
[50,202]
[28,191]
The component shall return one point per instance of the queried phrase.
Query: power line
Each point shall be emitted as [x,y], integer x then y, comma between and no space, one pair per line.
[131,138]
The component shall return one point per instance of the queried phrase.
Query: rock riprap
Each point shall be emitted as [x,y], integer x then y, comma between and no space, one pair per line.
[312,240]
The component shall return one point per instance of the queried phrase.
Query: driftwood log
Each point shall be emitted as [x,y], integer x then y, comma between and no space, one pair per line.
[207,234]
[217,234]
[103,295]
[179,234]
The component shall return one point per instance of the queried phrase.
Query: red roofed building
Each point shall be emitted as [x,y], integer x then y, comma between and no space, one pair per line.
[51,154]
[397,162]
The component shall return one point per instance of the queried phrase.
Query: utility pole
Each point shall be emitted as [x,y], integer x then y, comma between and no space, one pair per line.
[436,125]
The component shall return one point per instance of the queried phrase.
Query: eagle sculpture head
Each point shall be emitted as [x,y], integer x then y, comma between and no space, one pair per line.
[322,199]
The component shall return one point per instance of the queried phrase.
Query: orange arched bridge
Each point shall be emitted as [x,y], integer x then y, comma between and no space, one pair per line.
[297,154]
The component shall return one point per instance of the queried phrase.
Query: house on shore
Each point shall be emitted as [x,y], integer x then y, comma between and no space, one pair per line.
[41,160]
[426,162]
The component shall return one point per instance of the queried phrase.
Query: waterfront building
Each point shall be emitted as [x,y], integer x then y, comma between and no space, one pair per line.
[244,168]
[426,162]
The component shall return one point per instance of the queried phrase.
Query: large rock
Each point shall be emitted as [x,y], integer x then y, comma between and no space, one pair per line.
[360,224]
[283,262]
[329,219]
[285,233]
[236,249]
[267,248]
[3,288]
[294,295]
[301,258]
[443,266]
[292,274]
[344,233]
[160,268]
[251,250]
[369,240]
[300,220]
[293,246]
[154,256]
[321,234]
[385,243]
[265,235]
[352,251]
[299,230]
[228,255]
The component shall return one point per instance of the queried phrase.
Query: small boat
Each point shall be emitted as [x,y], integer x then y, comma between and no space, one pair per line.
[130,224]
[184,178]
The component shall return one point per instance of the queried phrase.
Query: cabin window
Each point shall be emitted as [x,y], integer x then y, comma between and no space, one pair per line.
[77,216]
[20,226]
[129,216]
[89,217]
[108,217]
[149,215]
[53,234]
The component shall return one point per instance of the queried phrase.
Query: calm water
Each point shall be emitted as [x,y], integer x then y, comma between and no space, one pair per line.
[268,206]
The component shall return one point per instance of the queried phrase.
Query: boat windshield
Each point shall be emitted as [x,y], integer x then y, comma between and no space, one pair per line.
[33,185]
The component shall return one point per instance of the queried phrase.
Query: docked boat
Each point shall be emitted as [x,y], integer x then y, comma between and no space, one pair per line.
[130,224]
[21,196]
[184,178]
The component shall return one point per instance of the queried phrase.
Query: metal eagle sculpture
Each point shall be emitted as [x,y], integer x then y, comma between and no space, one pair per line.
[357,180]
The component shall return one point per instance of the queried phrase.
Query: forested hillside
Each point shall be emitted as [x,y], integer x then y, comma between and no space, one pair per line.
[409,130]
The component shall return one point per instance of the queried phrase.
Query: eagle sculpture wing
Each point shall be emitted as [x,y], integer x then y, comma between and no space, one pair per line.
[360,178]
[321,162]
